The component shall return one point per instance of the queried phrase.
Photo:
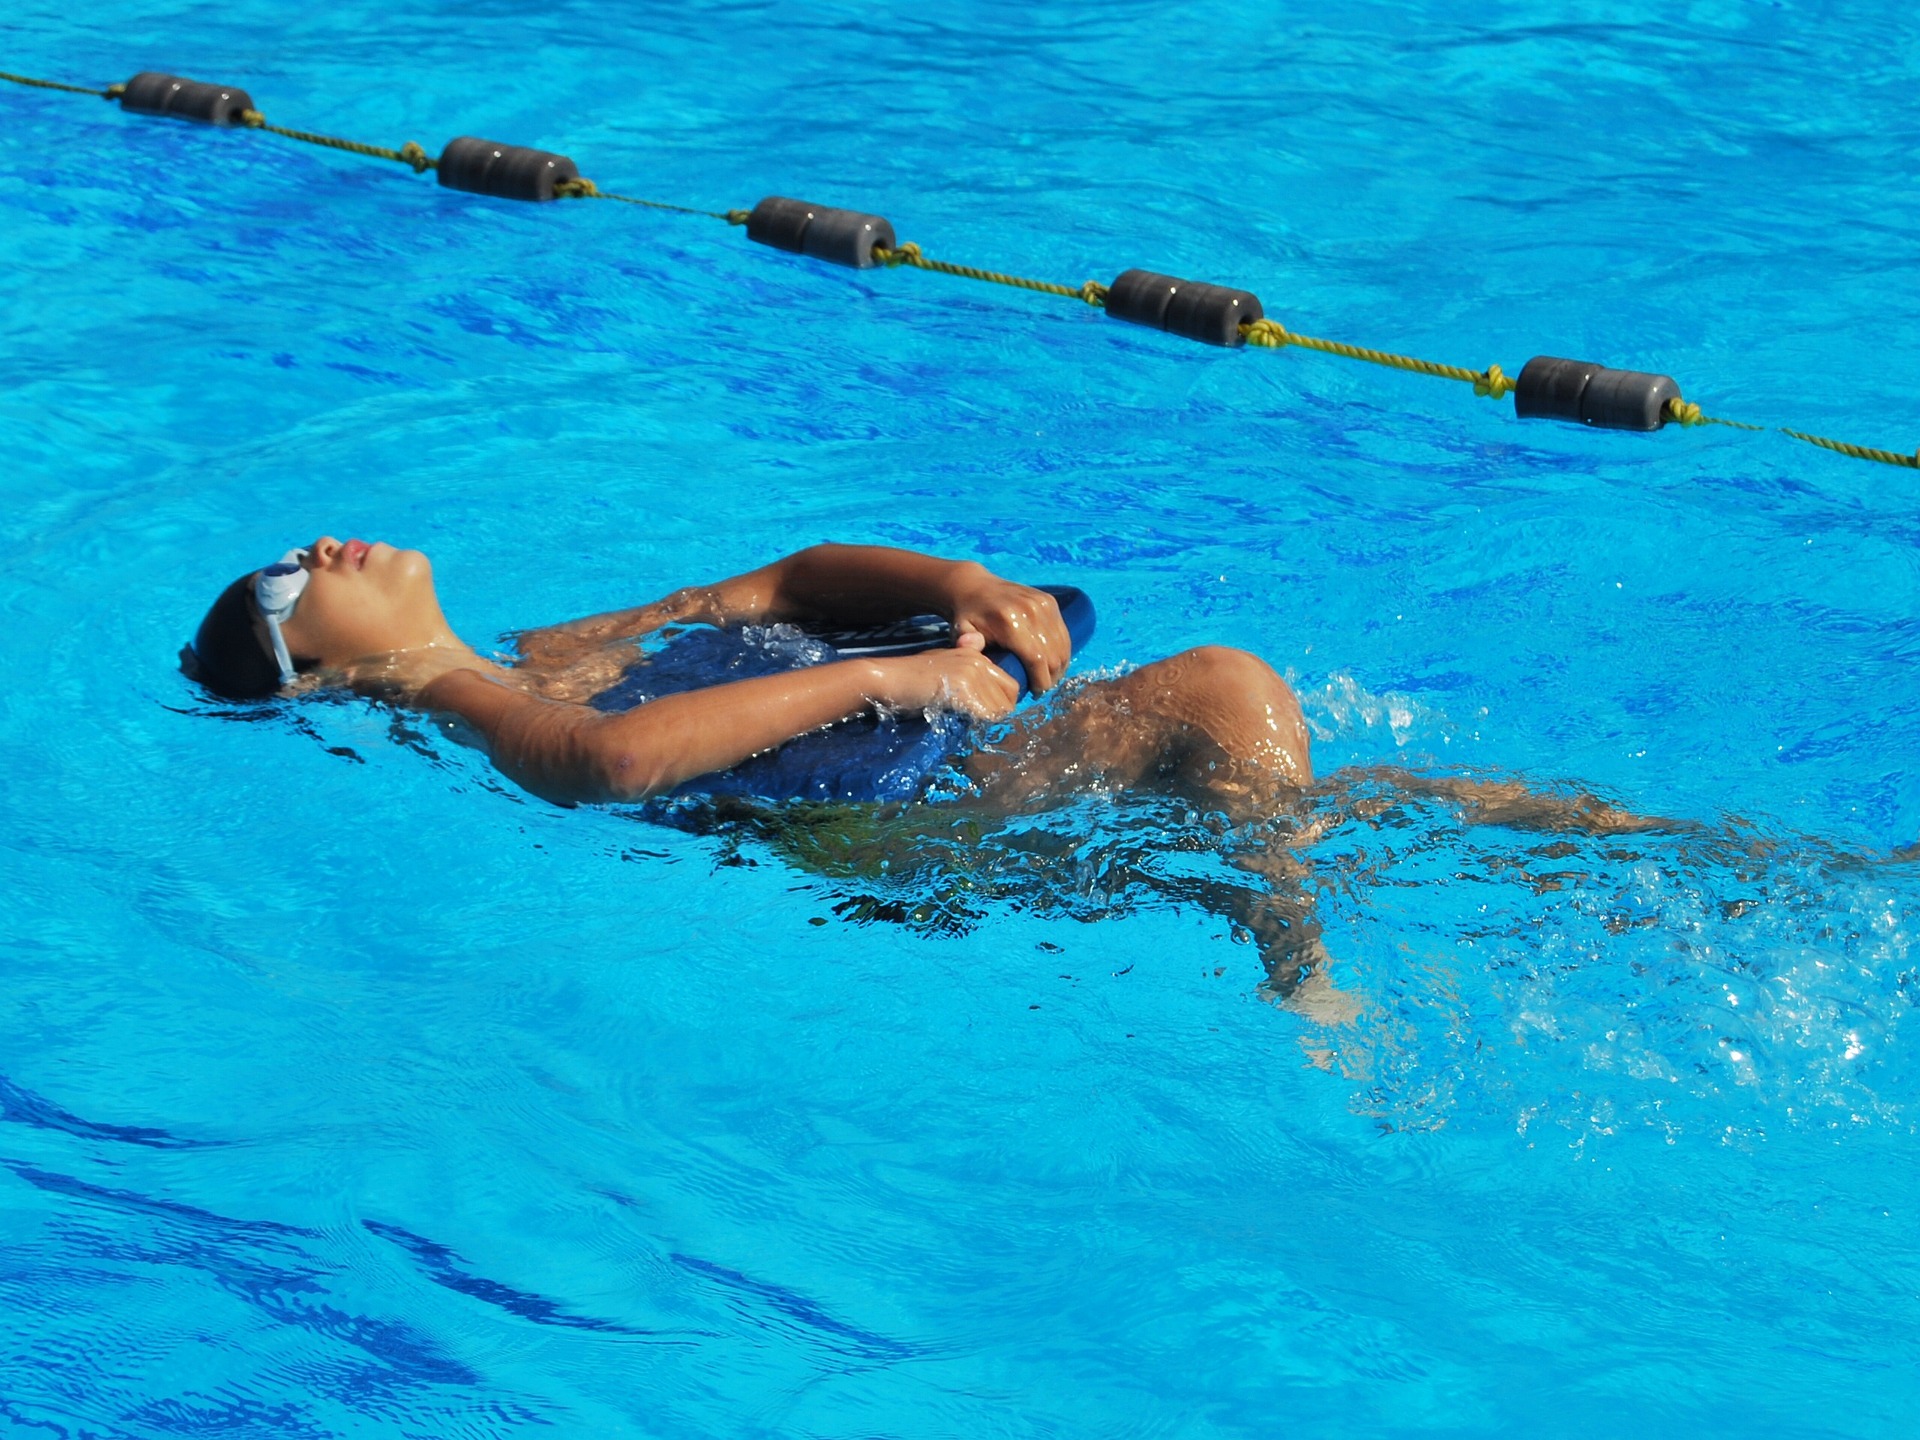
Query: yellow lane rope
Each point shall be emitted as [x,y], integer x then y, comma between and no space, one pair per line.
[1093,292]
[1272,335]
[1687,413]
[586,190]
[1266,333]
[407,154]
[109,93]
[1858,452]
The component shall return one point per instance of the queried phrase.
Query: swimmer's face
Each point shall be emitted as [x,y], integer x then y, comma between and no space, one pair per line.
[362,600]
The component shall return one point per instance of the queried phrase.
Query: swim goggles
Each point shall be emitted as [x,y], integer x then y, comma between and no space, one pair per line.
[276,590]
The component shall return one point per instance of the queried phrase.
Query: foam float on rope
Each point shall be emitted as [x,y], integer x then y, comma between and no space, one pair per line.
[1548,387]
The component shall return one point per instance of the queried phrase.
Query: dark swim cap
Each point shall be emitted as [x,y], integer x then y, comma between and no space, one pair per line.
[227,655]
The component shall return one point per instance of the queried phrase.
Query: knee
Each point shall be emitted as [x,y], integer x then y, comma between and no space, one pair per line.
[1230,672]
[1218,680]
[1245,705]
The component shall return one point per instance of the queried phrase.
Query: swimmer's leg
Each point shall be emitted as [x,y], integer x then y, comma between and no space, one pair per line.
[1509,803]
[1220,728]
[1279,915]
[1215,727]
[1213,724]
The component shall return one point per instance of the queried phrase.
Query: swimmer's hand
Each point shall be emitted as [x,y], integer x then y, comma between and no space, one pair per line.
[987,610]
[961,680]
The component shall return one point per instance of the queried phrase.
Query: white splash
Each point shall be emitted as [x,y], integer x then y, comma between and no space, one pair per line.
[1341,708]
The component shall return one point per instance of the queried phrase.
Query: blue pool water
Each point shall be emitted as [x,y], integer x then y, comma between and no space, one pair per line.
[349,1092]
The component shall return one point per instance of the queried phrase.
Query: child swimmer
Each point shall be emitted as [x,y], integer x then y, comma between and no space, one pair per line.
[1212,723]
[1213,727]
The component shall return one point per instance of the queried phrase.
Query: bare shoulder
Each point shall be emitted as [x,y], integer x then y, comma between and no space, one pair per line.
[576,659]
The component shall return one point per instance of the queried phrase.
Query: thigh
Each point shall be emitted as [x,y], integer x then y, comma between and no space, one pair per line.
[1211,724]
[1097,738]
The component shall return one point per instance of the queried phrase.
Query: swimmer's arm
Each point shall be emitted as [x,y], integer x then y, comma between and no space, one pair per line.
[862,583]
[834,582]
[571,754]
[560,644]
[854,583]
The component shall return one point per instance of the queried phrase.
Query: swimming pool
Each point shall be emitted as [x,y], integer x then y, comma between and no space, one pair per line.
[349,1092]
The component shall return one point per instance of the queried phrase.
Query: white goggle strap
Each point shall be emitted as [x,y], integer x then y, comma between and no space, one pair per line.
[287,671]
[276,592]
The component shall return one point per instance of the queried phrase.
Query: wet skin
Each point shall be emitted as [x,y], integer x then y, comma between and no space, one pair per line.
[1213,726]
[1209,720]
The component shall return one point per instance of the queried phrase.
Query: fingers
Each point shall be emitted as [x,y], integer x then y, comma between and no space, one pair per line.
[1025,621]
[997,692]
[1047,647]
[976,686]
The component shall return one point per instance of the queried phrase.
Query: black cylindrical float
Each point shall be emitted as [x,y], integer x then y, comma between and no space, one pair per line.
[840,237]
[1590,394]
[1187,308]
[1550,389]
[1140,297]
[151,93]
[780,222]
[506,172]
[1212,314]
[846,237]
[1627,400]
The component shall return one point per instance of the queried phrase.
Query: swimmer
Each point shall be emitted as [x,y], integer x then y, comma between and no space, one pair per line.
[1212,722]
[1213,726]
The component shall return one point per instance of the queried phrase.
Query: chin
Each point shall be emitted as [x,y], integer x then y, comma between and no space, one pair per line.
[410,563]
[415,572]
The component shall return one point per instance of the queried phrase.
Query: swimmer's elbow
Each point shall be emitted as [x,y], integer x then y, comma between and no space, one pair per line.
[589,760]
[617,768]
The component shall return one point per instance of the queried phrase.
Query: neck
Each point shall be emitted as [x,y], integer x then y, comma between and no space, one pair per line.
[401,675]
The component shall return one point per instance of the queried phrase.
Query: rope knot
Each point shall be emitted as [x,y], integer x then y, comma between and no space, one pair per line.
[253,118]
[413,154]
[737,217]
[1685,411]
[1094,293]
[1494,383]
[577,189]
[907,254]
[113,91]
[1270,333]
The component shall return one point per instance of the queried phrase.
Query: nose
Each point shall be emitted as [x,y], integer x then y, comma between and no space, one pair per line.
[321,552]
